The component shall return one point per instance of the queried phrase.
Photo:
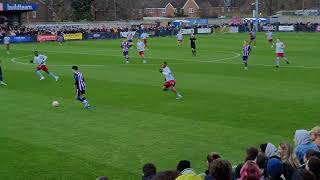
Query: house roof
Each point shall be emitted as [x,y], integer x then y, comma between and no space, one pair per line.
[164,3]
[180,3]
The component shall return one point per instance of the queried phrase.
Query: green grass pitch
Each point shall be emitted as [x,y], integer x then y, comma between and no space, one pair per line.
[132,122]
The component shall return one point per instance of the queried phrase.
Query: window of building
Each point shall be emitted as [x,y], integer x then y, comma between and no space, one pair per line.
[34,14]
[191,10]
[164,11]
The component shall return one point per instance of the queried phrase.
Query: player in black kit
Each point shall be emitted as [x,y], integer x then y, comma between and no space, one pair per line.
[193,45]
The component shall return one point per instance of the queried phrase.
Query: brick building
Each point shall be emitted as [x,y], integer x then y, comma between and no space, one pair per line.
[188,8]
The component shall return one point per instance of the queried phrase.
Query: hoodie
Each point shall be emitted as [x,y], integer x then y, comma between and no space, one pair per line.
[271,150]
[303,144]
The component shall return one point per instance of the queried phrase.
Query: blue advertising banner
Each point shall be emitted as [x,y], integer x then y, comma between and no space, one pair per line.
[193,21]
[18,39]
[18,7]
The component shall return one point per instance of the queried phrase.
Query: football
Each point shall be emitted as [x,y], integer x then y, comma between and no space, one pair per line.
[55,104]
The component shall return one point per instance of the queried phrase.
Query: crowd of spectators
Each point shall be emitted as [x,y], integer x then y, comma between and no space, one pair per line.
[49,30]
[266,162]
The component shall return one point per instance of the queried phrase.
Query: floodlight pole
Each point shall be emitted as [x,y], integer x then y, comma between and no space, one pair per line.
[257,16]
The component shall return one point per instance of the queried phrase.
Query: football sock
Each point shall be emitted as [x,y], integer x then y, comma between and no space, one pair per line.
[286,60]
[246,64]
[83,100]
[52,75]
[278,62]
[39,74]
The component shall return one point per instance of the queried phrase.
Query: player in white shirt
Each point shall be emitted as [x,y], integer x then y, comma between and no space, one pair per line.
[141,49]
[40,61]
[6,42]
[179,38]
[270,38]
[144,37]
[280,46]
[170,82]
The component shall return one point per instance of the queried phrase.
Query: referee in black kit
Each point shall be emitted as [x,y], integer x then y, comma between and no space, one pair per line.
[2,83]
[193,44]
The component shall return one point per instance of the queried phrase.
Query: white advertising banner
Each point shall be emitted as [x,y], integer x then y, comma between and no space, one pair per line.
[204,30]
[125,34]
[187,31]
[286,28]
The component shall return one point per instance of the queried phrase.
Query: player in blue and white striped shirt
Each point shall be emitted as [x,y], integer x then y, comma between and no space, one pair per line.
[80,86]
[246,49]
[125,50]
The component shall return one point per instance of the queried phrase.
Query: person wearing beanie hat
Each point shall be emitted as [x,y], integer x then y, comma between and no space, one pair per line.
[275,169]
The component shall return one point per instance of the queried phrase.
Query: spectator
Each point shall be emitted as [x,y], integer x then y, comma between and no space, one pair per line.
[182,165]
[250,171]
[166,175]
[287,156]
[251,155]
[303,144]
[313,165]
[275,169]
[269,150]
[220,169]
[308,155]
[261,162]
[303,174]
[315,136]
[149,171]
[186,172]
[210,157]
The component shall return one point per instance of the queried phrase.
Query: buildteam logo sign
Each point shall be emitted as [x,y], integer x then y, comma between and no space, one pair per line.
[21,7]
[18,7]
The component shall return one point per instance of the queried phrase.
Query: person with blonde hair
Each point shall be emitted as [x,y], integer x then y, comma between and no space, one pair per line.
[315,136]
[287,155]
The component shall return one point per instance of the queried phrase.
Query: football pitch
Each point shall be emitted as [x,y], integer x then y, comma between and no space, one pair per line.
[132,121]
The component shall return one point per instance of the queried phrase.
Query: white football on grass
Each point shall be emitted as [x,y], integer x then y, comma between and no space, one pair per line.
[55,104]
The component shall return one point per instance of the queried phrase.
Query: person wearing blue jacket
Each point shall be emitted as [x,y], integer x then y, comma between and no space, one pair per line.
[303,144]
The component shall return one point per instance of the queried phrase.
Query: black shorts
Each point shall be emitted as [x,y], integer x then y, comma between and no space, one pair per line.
[80,92]
[245,58]
[193,46]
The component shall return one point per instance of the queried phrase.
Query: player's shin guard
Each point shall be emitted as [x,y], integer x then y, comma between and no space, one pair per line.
[39,74]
